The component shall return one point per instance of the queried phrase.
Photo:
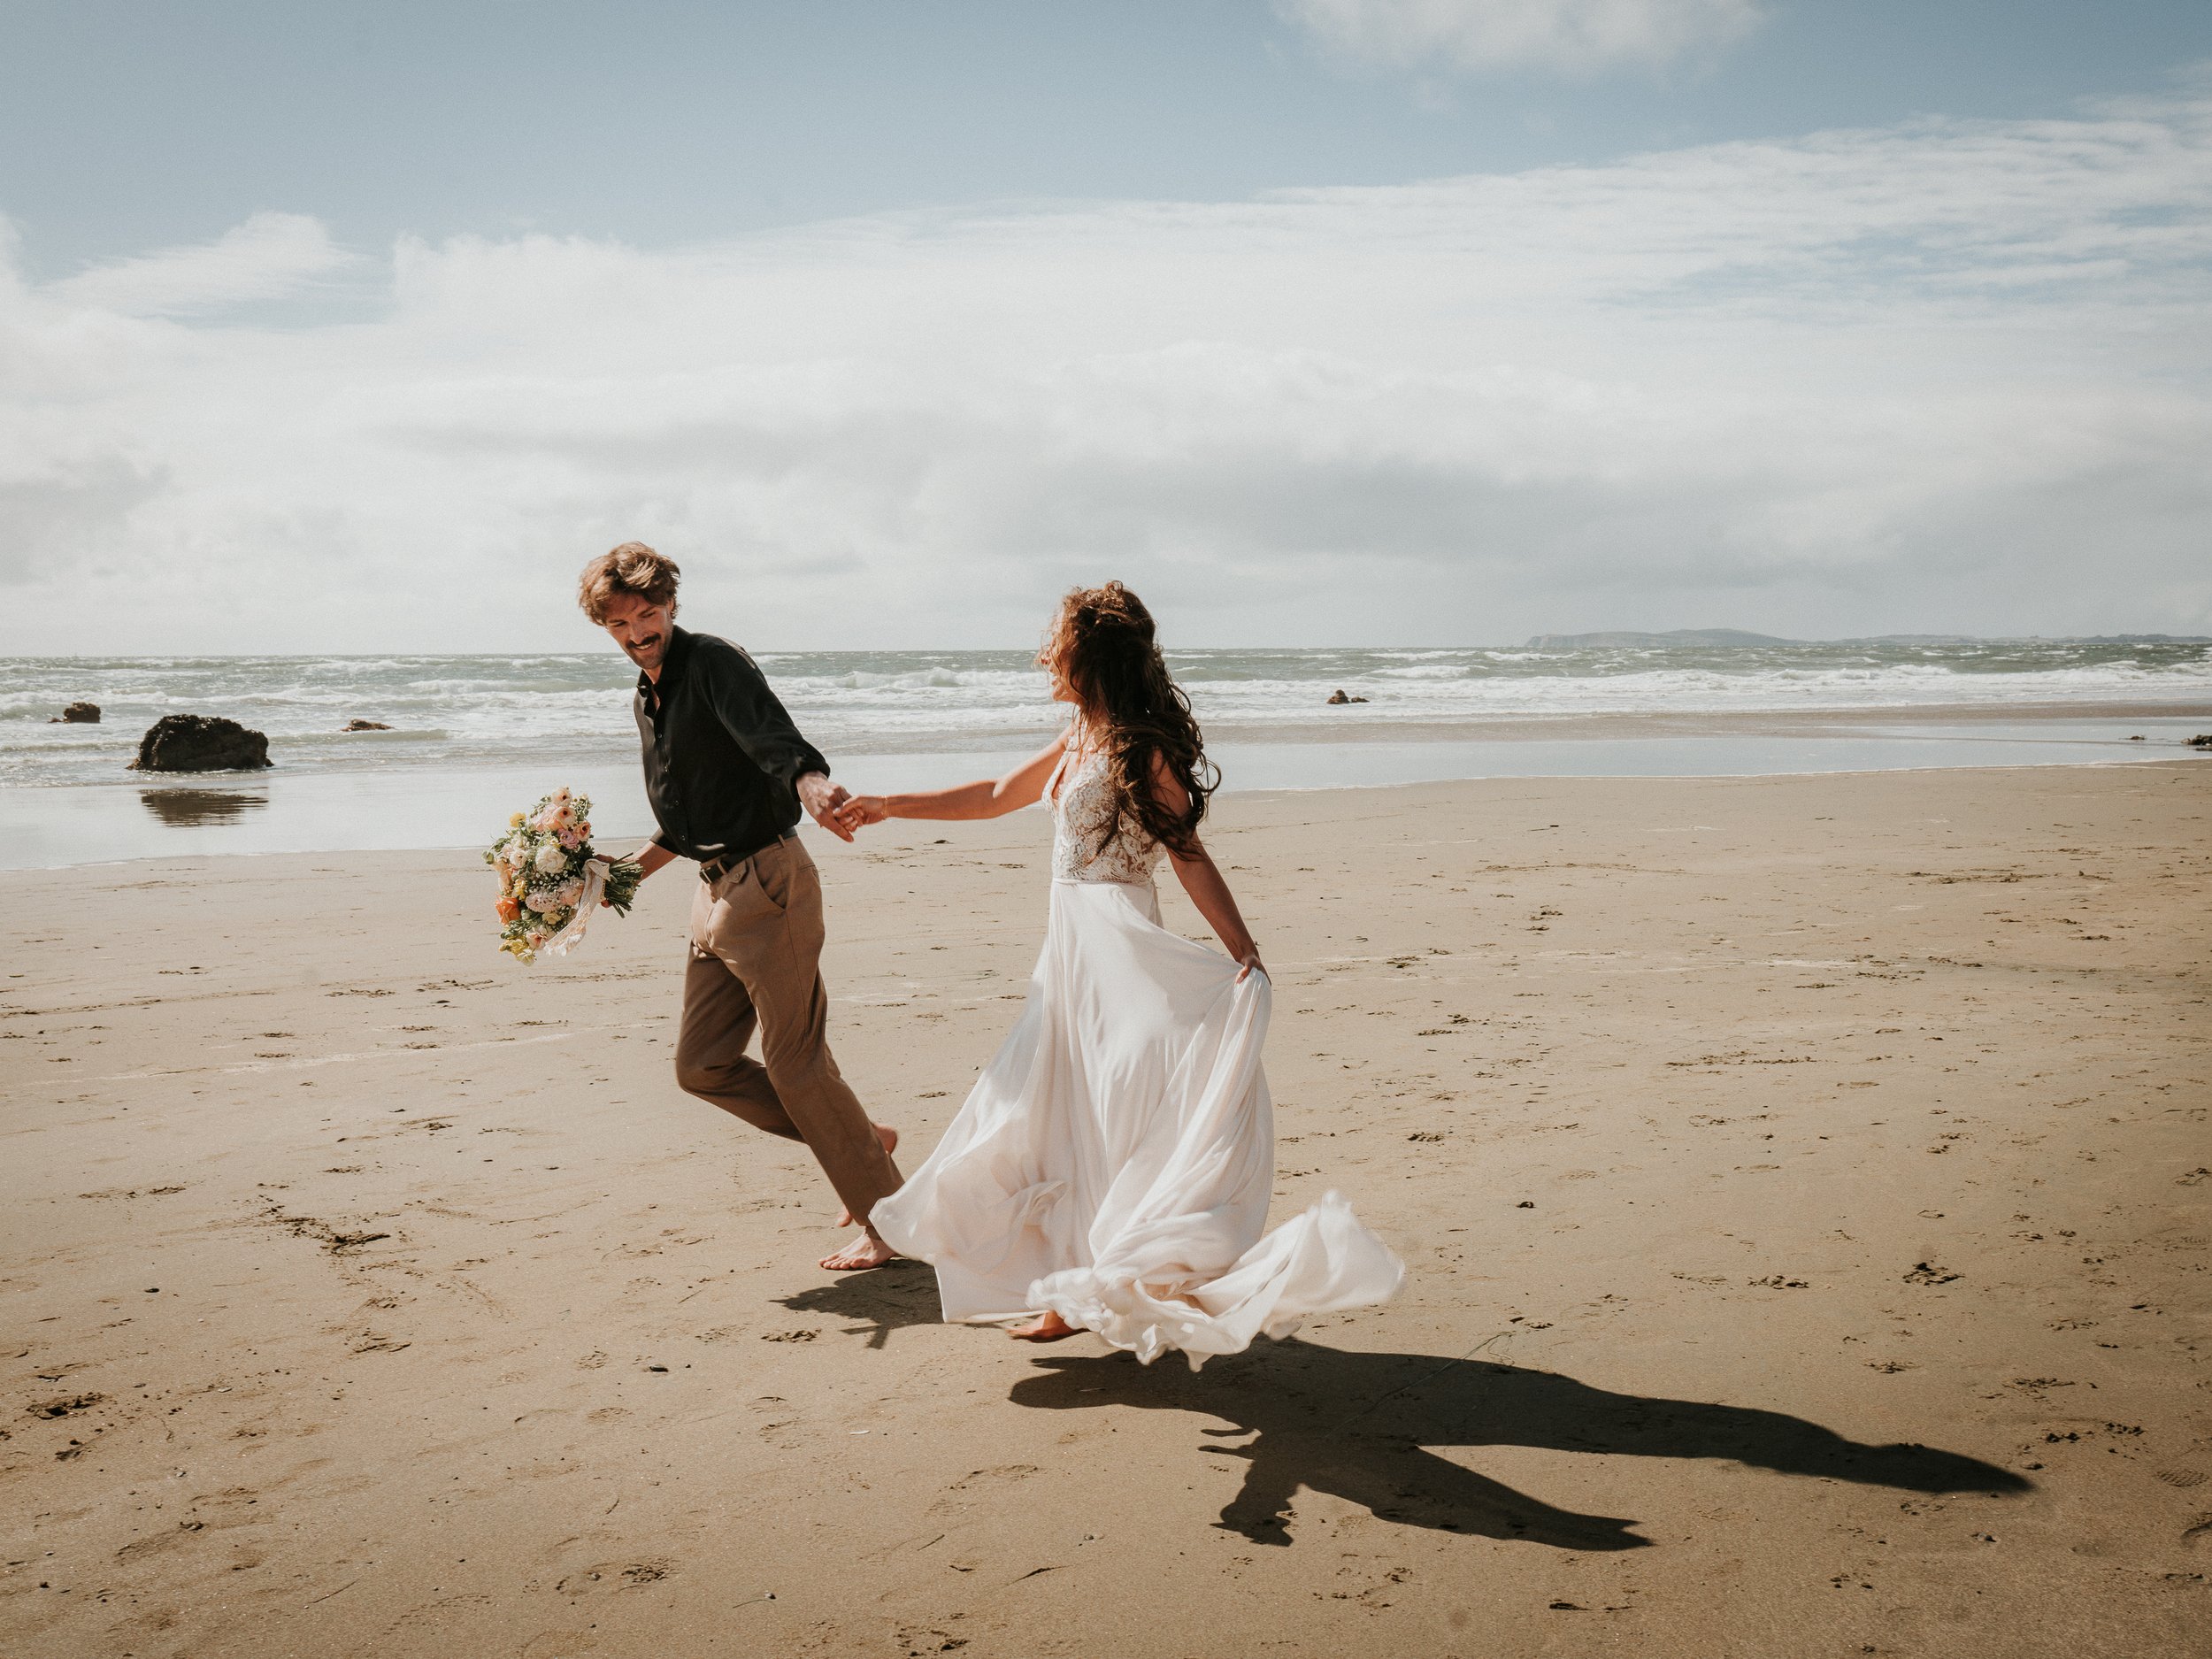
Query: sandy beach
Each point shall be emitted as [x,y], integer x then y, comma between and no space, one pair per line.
[1803,1182]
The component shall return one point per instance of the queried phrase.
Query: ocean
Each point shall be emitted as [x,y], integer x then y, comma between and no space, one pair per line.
[464,729]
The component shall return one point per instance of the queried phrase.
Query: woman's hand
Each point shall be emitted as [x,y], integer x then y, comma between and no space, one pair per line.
[1250,958]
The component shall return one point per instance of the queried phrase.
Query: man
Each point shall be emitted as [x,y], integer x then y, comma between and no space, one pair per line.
[727,773]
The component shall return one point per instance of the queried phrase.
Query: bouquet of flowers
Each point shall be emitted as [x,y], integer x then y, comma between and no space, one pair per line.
[549,879]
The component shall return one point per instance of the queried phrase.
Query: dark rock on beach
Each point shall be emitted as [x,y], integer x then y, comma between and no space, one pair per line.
[2202,740]
[200,742]
[366,726]
[1337,697]
[78,714]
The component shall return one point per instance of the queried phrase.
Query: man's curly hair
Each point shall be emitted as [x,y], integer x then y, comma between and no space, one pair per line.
[632,568]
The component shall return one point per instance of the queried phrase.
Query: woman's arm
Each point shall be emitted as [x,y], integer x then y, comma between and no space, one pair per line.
[1202,879]
[986,797]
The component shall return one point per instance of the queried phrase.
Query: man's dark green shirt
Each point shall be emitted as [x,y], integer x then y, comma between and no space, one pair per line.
[722,758]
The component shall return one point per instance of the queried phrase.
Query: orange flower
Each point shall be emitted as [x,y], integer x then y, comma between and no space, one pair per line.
[507,908]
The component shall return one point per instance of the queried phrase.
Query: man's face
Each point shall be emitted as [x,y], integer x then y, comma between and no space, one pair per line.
[641,628]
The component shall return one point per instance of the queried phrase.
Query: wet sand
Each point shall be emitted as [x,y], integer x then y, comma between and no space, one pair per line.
[1804,1183]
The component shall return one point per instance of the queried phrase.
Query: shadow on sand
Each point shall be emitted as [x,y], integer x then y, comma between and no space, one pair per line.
[884,1299]
[1358,1425]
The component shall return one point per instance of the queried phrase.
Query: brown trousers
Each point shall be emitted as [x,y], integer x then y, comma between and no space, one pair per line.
[756,944]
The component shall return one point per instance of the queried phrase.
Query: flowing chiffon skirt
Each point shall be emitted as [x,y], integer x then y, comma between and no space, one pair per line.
[1115,1161]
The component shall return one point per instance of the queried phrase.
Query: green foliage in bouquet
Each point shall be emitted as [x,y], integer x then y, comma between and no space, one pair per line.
[550,879]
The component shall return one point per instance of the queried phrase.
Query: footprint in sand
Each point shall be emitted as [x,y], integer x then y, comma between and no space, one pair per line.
[616,1575]
[65,1405]
[914,1641]
[972,1487]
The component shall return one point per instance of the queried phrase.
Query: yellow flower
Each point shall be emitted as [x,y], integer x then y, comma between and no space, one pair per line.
[515,820]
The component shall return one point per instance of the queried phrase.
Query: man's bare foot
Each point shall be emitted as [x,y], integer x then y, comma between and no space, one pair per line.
[865,1251]
[1045,1327]
[890,1138]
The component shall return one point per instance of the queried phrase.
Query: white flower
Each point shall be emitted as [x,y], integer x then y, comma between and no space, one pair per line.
[570,891]
[550,860]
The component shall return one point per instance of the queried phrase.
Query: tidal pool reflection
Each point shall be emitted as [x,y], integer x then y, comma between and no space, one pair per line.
[186,808]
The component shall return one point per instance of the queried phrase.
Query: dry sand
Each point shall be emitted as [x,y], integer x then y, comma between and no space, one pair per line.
[1804,1184]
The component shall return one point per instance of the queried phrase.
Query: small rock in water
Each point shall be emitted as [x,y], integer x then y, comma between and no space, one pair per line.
[366,726]
[1337,697]
[2202,740]
[200,742]
[78,714]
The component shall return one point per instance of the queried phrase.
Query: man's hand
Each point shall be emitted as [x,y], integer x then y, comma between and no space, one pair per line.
[822,799]
[648,858]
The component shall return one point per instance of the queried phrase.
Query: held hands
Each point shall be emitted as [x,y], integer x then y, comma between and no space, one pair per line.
[824,802]
[860,810]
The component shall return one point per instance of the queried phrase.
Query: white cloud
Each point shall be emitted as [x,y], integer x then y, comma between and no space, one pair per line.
[1482,34]
[272,255]
[1945,376]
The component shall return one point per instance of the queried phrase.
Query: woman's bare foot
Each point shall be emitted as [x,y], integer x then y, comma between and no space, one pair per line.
[1045,1327]
[865,1251]
[890,1138]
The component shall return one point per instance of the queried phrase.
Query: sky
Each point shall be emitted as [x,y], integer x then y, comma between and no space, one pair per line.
[354,327]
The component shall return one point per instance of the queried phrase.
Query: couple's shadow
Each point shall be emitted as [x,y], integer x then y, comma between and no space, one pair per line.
[1360,1425]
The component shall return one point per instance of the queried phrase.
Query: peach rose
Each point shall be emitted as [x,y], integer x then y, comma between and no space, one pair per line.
[507,908]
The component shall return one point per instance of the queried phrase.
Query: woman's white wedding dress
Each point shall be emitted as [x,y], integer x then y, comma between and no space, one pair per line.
[1115,1160]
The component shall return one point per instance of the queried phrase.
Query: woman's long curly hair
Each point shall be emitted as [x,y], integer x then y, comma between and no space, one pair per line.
[1132,709]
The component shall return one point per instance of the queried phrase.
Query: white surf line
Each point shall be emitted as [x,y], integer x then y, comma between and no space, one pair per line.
[312,1061]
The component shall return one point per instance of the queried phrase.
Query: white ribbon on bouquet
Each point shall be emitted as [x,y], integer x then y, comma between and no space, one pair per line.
[573,934]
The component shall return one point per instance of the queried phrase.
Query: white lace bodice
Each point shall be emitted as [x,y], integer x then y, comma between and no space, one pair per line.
[1082,816]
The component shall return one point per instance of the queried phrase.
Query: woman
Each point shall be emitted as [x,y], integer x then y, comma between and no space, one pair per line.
[1112,1170]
